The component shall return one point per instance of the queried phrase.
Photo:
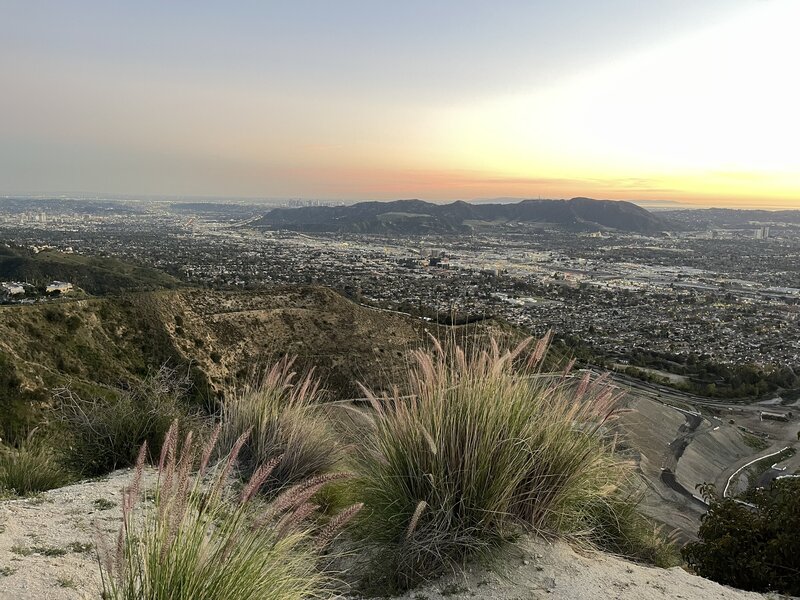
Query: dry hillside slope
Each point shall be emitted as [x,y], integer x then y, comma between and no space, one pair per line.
[221,336]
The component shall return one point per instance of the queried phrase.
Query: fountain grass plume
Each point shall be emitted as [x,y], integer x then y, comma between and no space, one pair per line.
[282,413]
[485,446]
[198,538]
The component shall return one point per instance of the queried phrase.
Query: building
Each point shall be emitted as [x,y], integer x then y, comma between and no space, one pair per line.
[773,416]
[61,287]
[11,288]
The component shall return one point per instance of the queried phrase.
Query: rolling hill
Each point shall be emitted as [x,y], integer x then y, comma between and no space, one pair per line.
[419,217]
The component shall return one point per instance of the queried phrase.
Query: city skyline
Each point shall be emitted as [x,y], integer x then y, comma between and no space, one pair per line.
[689,102]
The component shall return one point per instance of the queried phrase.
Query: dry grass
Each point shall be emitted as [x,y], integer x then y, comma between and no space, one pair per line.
[281,410]
[483,448]
[199,539]
[105,434]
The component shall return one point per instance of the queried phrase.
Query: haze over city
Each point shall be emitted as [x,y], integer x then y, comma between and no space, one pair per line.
[693,102]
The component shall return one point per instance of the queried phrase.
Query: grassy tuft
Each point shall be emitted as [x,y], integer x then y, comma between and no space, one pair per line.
[197,539]
[484,447]
[615,525]
[30,468]
[281,411]
[105,434]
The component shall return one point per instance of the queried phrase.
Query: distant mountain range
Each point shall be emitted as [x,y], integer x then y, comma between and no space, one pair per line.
[734,217]
[419,217]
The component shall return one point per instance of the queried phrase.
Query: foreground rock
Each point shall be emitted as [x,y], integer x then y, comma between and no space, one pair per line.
[48,550]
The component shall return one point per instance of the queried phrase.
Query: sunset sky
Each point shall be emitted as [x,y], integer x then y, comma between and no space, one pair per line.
[686,100]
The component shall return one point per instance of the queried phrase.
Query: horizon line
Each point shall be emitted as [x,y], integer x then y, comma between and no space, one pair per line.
[644,202]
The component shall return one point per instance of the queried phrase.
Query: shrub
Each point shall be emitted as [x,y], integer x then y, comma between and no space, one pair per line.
[105,434]
[30,467]
[615,524]
[482,447]
[751,546]
[284,419]
[199,540]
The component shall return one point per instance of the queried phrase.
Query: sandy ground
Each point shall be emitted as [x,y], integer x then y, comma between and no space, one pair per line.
[45,555]
[556,571]
[48,543]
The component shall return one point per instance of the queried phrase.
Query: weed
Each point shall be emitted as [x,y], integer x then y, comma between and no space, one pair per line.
[202,539]
[21,550]
[106,433]
[615,525]
[31,467]
[49,551]
[80,547]
[43,550]
[103,504]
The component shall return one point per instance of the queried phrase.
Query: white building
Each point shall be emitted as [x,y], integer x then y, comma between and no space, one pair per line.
[58,286]
[12,288]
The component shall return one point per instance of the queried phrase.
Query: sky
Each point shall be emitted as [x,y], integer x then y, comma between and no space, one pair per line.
[687,100]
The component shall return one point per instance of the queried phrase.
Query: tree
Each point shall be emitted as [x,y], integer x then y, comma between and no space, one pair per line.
[751,546]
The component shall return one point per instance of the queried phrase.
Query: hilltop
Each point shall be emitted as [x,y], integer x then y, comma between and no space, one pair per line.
[419,217]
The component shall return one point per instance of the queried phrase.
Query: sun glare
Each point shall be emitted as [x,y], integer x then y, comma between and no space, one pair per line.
[711,114]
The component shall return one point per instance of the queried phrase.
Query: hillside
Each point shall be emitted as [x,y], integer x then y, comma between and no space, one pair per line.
[418,217]
[94,345]
[701,219]
[47,550]
[97,342]
[95,275]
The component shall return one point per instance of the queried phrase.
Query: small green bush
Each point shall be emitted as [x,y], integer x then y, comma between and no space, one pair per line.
[104,434]
[31,467]
[480,450]
[283,416]
[754,547]
[198,539]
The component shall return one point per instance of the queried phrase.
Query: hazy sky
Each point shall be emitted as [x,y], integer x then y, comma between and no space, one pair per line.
[666,99]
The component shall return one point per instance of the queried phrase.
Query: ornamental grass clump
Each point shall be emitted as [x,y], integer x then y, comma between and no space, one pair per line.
[30,467]
[484,447]
[202,539]
[282,412]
